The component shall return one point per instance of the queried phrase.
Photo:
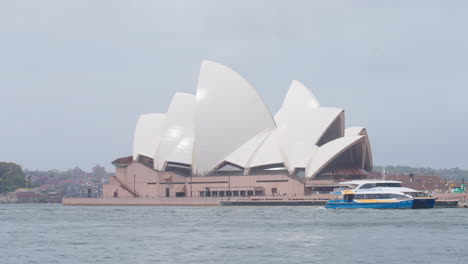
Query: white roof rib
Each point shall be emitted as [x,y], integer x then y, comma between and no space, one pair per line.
[268,152]
[178,133]
[242,155]
[229,112]
[328,152]
[148,134]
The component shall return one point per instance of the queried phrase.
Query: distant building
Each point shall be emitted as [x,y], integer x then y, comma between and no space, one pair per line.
[99,171]
[25,195]
[224,141]
[431,183]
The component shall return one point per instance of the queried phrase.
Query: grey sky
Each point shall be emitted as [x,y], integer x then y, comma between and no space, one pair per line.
[75,75]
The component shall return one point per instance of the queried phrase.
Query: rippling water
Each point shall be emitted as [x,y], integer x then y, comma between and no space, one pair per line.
[60,234]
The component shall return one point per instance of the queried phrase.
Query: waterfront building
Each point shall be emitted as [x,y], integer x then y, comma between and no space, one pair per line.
[26,195]
[224,141]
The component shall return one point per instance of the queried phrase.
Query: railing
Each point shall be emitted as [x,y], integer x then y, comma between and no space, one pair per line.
[315,197]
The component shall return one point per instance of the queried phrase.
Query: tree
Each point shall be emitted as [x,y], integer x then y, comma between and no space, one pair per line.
[11,177]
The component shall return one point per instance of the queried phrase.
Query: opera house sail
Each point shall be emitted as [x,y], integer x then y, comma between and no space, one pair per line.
[223,141]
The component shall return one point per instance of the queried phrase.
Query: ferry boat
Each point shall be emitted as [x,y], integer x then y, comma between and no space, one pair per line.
[350,199]
[421,199]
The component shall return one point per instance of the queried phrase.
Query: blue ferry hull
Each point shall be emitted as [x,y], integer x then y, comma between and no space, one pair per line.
[423,203]
[341,204]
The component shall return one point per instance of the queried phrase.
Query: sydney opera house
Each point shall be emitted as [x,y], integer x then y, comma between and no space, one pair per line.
[223,141]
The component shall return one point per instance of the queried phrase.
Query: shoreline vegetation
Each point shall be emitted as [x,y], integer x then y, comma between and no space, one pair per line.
[452,174]
[13,177]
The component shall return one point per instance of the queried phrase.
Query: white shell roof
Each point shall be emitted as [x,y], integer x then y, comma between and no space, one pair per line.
[148,134]
[242,155]
[302,131]
[229,112]
[227,121]
[302,122]
[268,153]
[298,99]
[329,152]
[178,133]
[363,132]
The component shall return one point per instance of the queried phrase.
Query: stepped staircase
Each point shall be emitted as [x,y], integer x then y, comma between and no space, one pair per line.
[127,188]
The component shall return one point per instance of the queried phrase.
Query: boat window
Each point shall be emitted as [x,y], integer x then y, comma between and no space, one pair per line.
[418,194]
[388,184]
[348,197]
[397,196]
[368,186]
[380,196]
[380,184]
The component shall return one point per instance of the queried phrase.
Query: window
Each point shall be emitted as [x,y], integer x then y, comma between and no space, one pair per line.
[380,184]
[348,197]
[202,194]
[227,168]
[277,168]
[235,193]
[387,184]
[368,186]
[243,193]
[417,194]
[399,196]
[380,196]
[258,193]
[221,193]
[274,191]
[250,193]
[214,193]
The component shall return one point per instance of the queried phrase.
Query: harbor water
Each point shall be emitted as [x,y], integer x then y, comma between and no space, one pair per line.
[52,233]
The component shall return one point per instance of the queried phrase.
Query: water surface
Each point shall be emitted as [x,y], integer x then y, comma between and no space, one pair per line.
[61,234]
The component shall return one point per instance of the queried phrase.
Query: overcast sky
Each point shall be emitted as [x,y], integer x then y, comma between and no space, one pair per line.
[75,75]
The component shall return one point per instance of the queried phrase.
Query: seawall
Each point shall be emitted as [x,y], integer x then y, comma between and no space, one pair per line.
[195,201]
[319,199]
[313,200]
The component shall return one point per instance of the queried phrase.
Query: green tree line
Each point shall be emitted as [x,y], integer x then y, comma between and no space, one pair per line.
[11,177]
